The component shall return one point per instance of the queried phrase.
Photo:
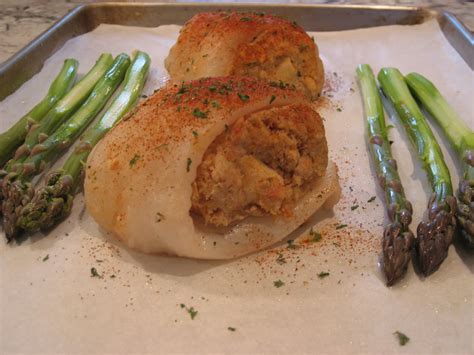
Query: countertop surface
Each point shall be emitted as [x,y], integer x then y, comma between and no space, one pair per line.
[22,20]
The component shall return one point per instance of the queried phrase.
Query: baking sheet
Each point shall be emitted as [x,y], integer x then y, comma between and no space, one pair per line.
[51,304]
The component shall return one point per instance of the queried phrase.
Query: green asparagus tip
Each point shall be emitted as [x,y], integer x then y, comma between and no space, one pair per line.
[49,205]
[16,193]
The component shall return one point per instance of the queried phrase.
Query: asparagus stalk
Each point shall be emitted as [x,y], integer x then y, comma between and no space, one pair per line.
[16,134]
[435,235]
[397,239]
[17,190]
[53,202]
[461,138]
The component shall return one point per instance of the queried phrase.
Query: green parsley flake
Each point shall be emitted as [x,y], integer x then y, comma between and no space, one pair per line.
[231,329]
[316,237]
[273,98]
[278,283]
[212,88]
[341,226]
[323,274]
[134,160]
[215,104]
[188,164]
[199,114]
[245,19]
[191,311]
[372,199]
[94,273]
[281,259]
[243,97]
[46,257]
[402,338]
[354,207]
[195,134]
[338,109]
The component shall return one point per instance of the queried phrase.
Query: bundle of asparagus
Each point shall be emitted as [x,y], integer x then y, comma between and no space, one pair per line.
[43,149]
[397,239]
[60,112]
[53,202]
[461,139]
[435,235]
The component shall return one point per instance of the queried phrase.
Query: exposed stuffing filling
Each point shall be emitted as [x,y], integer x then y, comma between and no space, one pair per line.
[260,166]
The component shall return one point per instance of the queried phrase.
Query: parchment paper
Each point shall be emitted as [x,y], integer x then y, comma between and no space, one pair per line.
[141,304]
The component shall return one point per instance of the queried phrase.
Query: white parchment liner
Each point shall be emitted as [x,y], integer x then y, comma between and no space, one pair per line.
[55,306]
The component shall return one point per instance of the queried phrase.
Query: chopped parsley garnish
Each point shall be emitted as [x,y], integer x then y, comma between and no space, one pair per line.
[281,84]
[354,207]
[245,19]
[94,273]
[191,311]
[372,199]
[212,88]
[339,109]
[315,236]
[303,47]
[323,274]
[243,97]
[134,160]
[195,134]
[273,98]
[199,114]
[215,104]
[46,257]
[281,259]
[341,226]
[402,338]
[188,164]
[231,329]
[278,283]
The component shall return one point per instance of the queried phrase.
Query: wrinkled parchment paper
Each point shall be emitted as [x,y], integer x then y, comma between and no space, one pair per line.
[50,303]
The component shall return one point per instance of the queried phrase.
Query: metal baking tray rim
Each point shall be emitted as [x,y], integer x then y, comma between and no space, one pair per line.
[18,69]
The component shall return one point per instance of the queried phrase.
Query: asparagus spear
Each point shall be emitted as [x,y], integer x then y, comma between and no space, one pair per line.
[53,202]
[435,235]
[397,239]
[16,134]
[462,140]
[17,190]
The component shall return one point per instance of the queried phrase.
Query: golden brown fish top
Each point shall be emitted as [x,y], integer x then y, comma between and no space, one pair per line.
[247,44]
